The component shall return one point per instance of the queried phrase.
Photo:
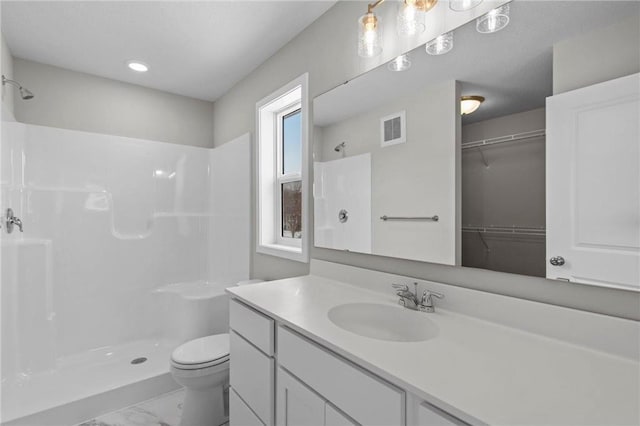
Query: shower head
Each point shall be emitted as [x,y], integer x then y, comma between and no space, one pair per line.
[340,146]
[25,94]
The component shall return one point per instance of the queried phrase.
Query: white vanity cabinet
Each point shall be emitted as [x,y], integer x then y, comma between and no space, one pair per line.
[279,377]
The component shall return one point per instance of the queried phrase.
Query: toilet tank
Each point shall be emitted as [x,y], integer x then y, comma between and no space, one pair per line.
[193,309]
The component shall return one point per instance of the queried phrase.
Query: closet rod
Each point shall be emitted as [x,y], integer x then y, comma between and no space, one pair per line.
[519,230]
[504,139]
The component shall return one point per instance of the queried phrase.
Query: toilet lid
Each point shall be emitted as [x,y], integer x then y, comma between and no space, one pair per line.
[202,350]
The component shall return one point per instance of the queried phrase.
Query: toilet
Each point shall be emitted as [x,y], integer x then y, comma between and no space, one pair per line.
[201,365]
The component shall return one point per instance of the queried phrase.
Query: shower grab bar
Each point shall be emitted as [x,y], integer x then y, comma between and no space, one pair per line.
[432,218]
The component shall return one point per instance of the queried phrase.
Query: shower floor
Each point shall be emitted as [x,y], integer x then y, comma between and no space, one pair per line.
[89,384]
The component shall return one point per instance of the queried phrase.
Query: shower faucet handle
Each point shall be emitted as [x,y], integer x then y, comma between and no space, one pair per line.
[12,221]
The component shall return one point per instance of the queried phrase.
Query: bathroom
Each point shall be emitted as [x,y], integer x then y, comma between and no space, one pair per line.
[320,213]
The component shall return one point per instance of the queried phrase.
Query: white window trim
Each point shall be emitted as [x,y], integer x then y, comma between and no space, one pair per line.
[267,212]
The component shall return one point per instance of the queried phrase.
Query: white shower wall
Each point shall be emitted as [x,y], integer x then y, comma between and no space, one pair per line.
[107,220]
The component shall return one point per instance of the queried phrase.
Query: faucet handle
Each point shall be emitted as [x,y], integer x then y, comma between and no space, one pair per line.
[400,287]
[426,304]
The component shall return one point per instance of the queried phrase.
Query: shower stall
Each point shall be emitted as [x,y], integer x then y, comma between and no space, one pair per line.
[109,224]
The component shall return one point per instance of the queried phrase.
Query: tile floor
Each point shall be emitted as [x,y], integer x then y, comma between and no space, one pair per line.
[164,410]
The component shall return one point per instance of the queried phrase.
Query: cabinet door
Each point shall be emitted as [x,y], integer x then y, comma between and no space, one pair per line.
[335,418]
[428,415]
[297,405]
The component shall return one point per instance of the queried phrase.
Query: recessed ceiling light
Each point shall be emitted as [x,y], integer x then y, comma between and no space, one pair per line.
[469,104]
[137,66]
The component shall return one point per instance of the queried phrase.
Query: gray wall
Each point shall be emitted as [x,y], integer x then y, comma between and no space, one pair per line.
[415,178]
[601,55]
[326,50]
[79,101]
[6,62]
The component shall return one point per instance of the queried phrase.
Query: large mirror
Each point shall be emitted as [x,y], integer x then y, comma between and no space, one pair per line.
[541,179]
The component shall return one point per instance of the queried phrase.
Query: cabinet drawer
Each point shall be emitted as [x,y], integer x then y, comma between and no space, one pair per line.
[240,414]
[252,325]
[428,415]
[366,398]
[251,376]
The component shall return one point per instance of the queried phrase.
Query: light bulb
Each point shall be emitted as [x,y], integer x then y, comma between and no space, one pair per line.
[494,20]
[441,44]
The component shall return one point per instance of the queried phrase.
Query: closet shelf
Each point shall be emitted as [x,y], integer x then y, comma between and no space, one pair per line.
[518,137]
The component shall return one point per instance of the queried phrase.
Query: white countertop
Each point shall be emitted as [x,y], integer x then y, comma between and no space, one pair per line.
[480,371]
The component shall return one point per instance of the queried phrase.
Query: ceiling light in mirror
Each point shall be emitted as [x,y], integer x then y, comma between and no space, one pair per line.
[369,35]
[401,63]
[441,44]
[411,17]
[469,104]
[493,21]
[138,66]
[462,5]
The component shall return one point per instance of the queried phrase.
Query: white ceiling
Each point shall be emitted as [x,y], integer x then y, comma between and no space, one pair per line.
[512,68]
[197,49]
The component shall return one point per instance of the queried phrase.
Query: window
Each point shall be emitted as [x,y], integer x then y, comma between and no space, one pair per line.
[282,165]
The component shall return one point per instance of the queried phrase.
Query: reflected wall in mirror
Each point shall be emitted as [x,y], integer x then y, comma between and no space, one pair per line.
[542,179]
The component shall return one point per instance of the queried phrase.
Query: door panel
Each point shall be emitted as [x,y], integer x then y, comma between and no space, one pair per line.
[593,183]
[297,405]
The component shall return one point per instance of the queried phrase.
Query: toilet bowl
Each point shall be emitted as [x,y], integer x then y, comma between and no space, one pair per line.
[202,367]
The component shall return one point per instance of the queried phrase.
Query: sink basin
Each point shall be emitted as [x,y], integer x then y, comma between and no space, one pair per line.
[383,322]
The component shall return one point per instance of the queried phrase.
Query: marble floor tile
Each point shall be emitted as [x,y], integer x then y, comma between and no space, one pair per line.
[164,410]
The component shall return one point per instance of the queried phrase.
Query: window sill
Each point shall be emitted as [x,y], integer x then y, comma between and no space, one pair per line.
[287,252]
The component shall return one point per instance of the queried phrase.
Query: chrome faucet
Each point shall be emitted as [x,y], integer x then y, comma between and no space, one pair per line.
[409,299]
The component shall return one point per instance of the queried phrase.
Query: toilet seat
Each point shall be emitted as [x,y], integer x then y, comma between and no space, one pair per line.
[201,353]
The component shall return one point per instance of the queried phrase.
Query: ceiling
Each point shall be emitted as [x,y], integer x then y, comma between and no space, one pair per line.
[198,49]
[512,68]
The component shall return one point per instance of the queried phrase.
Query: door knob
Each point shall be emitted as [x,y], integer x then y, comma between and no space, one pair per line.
[557,261]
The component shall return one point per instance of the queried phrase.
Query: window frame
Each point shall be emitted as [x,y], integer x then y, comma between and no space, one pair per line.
[268,235]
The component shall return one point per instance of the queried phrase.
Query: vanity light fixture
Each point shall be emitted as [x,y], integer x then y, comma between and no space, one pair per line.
[469,104]
[138,66]
[370,33]
[441,44]
[462,5]
[400,63]
[494,20]
[411,14]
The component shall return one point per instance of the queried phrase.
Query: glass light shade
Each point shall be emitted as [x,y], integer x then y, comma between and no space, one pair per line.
[401,63]
[493,21]
[469,104]
[410,18]
[441,44]
[462,5]
[369,36]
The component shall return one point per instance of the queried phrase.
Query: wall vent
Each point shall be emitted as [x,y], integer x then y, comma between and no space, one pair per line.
[393,129]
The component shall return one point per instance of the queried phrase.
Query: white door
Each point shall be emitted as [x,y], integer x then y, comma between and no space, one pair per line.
[297,405]
[593,184]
